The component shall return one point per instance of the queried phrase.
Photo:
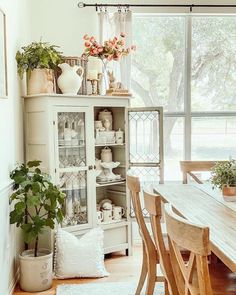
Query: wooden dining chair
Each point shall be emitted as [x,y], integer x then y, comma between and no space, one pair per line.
[189,167]
[150,253]
[153,206]
[194,277]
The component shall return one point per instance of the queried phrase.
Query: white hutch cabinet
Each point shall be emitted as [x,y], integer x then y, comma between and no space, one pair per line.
[71,161]
[59,131]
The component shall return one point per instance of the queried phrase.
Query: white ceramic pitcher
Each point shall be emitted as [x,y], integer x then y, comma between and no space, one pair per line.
[69,81]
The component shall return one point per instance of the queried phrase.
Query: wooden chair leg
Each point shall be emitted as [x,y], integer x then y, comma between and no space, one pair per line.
[143,274]
[166,288]
[151,278]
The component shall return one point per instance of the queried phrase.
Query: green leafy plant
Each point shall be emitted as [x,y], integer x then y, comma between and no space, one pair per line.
[37,202]
[224,174]
[37,55]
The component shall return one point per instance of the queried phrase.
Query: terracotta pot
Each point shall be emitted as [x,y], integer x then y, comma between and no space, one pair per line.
[40,81]
[36,272]
[229,191]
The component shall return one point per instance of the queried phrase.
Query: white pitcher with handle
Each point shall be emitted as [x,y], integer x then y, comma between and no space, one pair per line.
[69,81]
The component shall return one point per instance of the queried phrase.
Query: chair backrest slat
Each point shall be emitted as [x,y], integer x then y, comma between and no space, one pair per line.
[134,187]
[192,278]
[187,167]
[153,206]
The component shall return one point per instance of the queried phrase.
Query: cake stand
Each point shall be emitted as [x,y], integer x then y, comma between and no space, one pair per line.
[107,174]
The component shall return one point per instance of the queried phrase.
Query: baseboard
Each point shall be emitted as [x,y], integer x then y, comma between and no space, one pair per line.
[14,282]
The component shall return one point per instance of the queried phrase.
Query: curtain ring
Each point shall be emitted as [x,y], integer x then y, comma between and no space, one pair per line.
[119,8]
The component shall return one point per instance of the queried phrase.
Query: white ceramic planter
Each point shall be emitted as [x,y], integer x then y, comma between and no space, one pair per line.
[40,81]
[36,272]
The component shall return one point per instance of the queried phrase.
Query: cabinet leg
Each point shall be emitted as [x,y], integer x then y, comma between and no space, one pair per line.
[127,252]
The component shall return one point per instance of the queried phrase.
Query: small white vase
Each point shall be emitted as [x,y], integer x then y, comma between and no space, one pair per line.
[69,81]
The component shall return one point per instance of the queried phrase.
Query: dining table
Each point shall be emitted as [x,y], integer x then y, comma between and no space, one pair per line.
[201,204]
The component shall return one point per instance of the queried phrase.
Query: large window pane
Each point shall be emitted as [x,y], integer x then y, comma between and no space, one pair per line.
[158,64]
[213,138]
[213,63]
[173,147]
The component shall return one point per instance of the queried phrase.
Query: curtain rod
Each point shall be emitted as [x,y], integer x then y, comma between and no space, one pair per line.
[190,6]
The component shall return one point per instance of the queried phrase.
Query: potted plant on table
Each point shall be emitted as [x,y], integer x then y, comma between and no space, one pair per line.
[37,205]
[223,176]
[38,60]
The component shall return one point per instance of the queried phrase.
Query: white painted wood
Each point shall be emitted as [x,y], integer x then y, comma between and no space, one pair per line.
[41,138]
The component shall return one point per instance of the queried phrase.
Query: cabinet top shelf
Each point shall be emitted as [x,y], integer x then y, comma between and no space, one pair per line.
[55,95]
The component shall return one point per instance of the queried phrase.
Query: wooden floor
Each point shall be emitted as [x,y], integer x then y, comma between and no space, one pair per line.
[123,269]
[120,267]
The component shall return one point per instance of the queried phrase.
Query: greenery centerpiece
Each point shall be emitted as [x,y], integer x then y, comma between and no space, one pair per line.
[223,176]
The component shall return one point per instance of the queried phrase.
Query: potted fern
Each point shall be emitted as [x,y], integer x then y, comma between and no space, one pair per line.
[37,204]
[38,60]
[223,176]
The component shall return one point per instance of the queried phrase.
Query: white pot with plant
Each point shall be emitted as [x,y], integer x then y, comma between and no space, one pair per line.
[38,60]
[223,176]
[37,205]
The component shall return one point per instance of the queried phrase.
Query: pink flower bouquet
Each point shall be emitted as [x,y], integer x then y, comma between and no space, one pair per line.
[113,49]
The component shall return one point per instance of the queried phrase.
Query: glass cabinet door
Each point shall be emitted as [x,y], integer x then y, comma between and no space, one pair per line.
[72,160]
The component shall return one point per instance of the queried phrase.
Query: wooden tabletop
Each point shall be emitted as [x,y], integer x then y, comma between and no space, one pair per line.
[204,206]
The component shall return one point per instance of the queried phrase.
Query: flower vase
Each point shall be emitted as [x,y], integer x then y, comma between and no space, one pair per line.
[105,78]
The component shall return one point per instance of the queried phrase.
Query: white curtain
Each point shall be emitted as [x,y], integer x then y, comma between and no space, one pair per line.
[110,25]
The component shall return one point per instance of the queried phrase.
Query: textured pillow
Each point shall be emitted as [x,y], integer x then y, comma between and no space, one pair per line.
[79,257]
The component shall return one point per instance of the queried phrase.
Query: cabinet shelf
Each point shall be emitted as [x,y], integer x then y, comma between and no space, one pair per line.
[72,169]
[111,144]
[70,146]
[113,223]
[110,183]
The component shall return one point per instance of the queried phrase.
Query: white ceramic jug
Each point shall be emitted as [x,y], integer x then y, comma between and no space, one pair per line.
[69,81]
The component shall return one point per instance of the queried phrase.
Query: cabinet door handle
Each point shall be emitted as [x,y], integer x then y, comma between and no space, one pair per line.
[90,167]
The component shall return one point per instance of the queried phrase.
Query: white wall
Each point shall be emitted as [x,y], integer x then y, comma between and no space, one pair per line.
[11,138]
[62,23]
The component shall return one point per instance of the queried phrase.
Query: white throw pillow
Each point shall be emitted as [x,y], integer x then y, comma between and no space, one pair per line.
[79,257]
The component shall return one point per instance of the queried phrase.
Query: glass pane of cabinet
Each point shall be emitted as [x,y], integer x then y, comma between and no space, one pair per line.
[72,162]
[144,128]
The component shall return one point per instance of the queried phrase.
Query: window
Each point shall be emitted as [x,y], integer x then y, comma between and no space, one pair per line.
[187,64]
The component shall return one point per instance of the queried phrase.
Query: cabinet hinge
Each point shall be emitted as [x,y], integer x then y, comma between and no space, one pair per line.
[55,170]
[54,122]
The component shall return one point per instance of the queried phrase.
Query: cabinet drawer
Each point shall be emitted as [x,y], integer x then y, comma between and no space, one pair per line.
[116,237]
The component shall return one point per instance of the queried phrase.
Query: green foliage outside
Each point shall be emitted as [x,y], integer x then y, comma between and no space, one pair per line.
[37,55]
[224,174]
[158,73]
[37,202]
